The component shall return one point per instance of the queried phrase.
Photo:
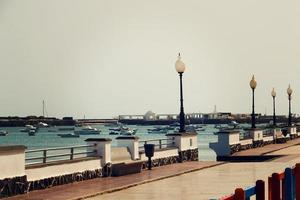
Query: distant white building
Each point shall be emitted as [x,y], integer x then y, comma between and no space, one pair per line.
[149,115]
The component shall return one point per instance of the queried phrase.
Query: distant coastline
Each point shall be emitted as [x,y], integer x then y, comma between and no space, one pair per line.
[69,121]
[33,120]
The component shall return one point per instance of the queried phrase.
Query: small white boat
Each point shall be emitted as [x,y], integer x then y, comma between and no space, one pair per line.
[233,123]
[86,130]
[42,125]
[3,133]
[29,128]
[128,132]
[32,132]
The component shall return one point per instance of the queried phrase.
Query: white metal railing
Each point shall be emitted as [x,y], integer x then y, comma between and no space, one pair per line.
[158,143]
[47,155]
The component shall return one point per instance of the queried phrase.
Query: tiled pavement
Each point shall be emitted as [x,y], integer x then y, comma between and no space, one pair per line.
[94,187]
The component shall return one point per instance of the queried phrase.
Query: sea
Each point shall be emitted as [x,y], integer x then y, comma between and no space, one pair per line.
[45,139]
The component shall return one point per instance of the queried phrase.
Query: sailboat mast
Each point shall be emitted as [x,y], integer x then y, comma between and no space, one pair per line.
[43,108]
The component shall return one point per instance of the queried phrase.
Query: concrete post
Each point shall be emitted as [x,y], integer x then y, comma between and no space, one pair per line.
[256,134]
[292,131]
[102,147]
[226,139]
[184,141]
[187,145]
[12,159]
[132,143]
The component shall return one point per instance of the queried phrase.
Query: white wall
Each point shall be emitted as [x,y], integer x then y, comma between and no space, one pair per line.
[185,142]
[234,138]
[12,163]
[292,130]
[161,154]
[63,169]
[256,135]
[268,138]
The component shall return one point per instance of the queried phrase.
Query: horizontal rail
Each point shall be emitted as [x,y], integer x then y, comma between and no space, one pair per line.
[154,140]
[60,155]
[57,148]
[64,153]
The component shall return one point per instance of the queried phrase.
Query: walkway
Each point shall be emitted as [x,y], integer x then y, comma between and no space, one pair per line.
[208,183]
[94,187]
[267,149]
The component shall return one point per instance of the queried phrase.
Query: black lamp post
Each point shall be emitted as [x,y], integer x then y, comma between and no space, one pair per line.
[273,94]
[289,92]
[253,86]
[180,67]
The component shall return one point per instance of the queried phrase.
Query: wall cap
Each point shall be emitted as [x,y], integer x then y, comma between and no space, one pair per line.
[127,138]
[228,131]
[98,140]
[186,134]
[12,147]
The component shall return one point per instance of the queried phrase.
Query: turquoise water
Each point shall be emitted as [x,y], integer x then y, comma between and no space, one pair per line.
[45,139]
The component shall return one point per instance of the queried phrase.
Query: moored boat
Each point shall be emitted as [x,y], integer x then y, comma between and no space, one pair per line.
[32,132]
[86,130]
[69,135]
[3,133]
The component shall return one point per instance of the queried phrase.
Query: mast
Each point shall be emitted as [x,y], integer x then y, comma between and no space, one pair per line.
[43,108]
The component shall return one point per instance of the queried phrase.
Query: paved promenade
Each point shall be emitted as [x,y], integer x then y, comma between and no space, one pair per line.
[267,149]
[191,180]
[208,183]
[94,187]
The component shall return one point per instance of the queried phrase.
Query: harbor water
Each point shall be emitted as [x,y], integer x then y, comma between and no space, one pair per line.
[46,139]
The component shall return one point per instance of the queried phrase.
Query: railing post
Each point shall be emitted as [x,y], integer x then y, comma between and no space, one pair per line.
[72,154]
[297,180]
[288,184]
[260,190]
[239,194]
[160,146]
[44,156]
[276,186]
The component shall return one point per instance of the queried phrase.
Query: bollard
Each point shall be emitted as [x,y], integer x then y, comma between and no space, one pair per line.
[288,184]
[260,190]
[239,194]
[149,152]
[276,186]
[297,180]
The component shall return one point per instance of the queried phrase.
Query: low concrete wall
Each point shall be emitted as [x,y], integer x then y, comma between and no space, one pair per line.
[12,161]
[161,154]
[52,170]
[268,138]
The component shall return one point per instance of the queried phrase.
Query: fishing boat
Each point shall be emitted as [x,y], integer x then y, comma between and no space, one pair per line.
[42,125]
[69,135]
[29,128]
[86,130]
[128,132]
[3,133]
[66,129]
[114,133]
[32,132]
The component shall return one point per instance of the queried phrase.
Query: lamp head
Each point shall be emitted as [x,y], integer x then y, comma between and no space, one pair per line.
[179,65]
[273,93]
[289,90]
[253,83]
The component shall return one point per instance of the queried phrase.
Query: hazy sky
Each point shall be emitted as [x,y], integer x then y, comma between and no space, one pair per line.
[103,58]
